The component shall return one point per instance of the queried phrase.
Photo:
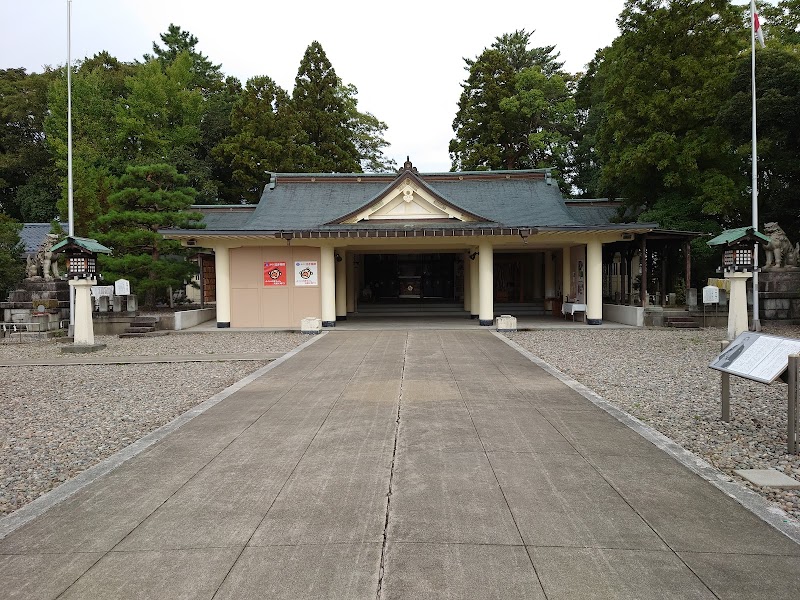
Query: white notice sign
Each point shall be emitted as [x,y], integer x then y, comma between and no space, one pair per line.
[711,294]
[305,273]
[757,356]
[122,287]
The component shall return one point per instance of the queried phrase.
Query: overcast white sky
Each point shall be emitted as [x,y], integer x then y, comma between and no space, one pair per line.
[405,58]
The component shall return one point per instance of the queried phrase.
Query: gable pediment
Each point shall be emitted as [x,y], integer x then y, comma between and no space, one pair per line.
[408,200]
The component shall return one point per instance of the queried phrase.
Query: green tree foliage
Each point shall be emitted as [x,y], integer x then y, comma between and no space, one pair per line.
[516,110]
[322,113]
[781,22]
[204,74]
[778,104]
[98,88]
[216,125]
[659,87]
[12,267]
[160,120]
[28,181]
[266,138]
[211,179]
[146,199]
[367,133]
[584,169]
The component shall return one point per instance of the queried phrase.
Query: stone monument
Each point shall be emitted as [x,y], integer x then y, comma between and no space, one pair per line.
[40,304]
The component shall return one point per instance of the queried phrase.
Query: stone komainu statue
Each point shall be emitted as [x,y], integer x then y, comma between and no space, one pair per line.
[779,251]
[43,261]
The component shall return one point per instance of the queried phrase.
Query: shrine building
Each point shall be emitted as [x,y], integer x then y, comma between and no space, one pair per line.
[488,242]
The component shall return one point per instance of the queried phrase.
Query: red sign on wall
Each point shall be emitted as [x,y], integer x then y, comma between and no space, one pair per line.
[274,273]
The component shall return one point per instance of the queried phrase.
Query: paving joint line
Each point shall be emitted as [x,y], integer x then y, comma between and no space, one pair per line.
[381,569]
[43,503]
[752,501]
[289,476]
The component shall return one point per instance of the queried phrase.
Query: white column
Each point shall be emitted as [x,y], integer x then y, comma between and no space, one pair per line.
[566,272]
[327,285]
[594,283]
[351,282]
[84,329]
[737,304]
[341,285]
[467,283]
[222,267]
[475,298]
[486,283]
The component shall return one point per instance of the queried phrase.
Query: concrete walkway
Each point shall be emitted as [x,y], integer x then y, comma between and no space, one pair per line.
[424,464]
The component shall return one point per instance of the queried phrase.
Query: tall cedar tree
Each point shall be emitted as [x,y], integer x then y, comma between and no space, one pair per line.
[662,82]
[148,198]
[12,267]
[266,138]
[322,114]
[516,109]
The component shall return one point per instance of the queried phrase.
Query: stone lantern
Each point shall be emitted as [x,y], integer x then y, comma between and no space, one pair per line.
[81,254]
[738,247]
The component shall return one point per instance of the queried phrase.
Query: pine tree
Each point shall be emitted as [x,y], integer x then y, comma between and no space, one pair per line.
[147,198]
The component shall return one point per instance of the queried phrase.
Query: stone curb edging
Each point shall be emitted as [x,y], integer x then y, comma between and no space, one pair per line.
[43,503]
[141,360]
[752,501]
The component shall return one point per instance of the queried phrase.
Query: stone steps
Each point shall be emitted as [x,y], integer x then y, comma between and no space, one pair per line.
[143,327]
[681,322]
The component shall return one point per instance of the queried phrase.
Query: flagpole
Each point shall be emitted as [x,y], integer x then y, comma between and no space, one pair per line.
[70,204]
[754,157]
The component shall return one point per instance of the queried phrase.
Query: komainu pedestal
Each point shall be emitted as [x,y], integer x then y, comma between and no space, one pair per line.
[779,294]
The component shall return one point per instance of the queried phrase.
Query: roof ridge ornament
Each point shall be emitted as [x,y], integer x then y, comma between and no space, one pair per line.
[407,166]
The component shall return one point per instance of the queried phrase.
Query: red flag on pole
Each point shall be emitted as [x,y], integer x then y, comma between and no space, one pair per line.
[757,27]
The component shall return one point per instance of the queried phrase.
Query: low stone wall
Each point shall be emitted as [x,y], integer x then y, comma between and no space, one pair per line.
[189,318]
[627,315]
[111,323]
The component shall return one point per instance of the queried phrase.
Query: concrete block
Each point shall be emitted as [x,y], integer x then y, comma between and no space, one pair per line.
[506,323]
[769,478]
[723,298]
[117,303]
[133,303]
[103,304]
[310,325]
[691,297]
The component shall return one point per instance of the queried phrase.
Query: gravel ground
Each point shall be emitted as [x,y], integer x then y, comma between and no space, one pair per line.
[661,376]
[58,421]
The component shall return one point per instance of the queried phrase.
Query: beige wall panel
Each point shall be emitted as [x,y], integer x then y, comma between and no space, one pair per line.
[247,270]
[245,308]
[275,305]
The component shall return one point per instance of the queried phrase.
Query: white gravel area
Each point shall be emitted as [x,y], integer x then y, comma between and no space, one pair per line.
[58,421]
[661,376]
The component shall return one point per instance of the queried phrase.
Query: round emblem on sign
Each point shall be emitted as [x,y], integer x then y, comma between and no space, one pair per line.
[306,273]
[274,273]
